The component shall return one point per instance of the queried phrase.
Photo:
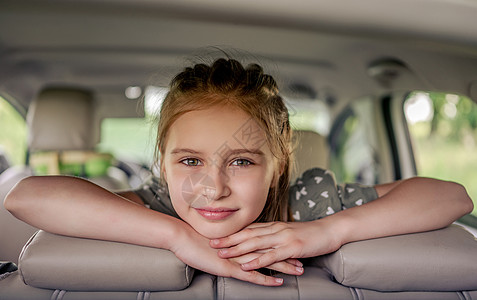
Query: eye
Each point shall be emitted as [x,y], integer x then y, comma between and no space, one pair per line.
[241,162]
[191,162]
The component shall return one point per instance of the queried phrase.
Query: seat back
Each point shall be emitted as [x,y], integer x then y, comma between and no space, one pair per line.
[62,138]
[61,120]
[311,151]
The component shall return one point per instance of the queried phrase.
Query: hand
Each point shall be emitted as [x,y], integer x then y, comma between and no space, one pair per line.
[278,242]
[289,266]
[194,250]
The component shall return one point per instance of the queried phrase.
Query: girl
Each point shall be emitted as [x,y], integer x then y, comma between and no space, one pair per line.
[223,148]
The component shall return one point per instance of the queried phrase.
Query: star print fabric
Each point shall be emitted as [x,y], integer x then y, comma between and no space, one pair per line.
[316,195]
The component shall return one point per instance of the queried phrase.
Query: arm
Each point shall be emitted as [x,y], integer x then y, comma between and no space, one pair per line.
[412,205]
[76,207]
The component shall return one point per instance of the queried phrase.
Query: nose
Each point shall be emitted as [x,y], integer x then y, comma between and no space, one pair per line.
[219,185]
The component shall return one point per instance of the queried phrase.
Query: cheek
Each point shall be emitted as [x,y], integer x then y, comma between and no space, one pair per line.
[175,187]
[252,192]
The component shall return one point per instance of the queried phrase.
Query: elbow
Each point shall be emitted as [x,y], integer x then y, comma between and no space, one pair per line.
[17,198]
[463,199]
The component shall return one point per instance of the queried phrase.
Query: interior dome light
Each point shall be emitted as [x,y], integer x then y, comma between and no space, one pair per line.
[133,92]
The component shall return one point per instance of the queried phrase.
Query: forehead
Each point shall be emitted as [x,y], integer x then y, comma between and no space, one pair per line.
[215,127]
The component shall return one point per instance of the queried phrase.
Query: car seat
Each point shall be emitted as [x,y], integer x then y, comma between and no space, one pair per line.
[60,141]
[310,151]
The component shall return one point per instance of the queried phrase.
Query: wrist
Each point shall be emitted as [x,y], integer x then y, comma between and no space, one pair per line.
[167,232]
[340,228]
[177,234]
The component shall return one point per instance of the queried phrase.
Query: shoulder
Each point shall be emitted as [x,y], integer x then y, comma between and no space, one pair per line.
[156,196]
[314,195]
[315,176]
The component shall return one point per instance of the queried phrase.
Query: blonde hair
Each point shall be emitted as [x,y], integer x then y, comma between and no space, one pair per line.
[227,82]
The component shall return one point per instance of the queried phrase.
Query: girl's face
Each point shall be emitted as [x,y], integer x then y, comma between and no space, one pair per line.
[218,168]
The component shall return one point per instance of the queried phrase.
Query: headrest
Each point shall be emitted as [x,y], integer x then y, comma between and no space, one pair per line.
[59,262]
[61,119]
[311,152]
[439,260]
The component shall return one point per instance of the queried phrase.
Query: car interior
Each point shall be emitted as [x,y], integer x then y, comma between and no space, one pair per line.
[87,78]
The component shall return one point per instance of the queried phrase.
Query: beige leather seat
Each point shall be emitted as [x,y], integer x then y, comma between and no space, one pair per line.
[432,265]
[61,138]
[311,151]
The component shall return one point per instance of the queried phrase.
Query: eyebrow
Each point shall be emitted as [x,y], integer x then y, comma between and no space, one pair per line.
[184,150]
[225,153]
[245,151]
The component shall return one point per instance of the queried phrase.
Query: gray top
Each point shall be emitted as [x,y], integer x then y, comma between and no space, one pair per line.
[314,195]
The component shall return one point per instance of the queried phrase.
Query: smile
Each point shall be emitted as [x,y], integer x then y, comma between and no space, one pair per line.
[215,213]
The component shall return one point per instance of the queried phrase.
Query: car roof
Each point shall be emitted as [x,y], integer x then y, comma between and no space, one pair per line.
[339,50]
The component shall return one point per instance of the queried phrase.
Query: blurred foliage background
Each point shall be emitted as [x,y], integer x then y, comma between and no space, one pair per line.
[13,134]
[443,128]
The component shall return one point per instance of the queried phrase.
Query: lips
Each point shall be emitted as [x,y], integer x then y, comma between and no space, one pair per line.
[215,214]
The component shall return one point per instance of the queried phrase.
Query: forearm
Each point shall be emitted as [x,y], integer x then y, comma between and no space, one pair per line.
[413,205]
[75,207]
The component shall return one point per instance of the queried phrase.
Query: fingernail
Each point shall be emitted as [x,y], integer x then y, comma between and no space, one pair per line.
[215,242]
[279,280]
[299,269]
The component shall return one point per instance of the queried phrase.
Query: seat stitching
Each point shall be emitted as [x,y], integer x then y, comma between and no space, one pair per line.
[61,294]
[464,295]
[297,288]
[355,293]
[343,279]
[221,293]
[54,295]
[147,295]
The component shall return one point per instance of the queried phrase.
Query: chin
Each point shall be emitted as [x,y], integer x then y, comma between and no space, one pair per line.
[216,233]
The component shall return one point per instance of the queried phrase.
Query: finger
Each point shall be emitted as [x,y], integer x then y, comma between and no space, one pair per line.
[228,268]
[286,268]
[295,262]
[259,278]
[245,258]
[255,244]
[266,259]
[282,266]
[259,225]
[240,237]
[289,264]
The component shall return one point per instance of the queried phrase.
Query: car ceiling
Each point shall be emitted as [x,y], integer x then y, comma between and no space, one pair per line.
[337,49]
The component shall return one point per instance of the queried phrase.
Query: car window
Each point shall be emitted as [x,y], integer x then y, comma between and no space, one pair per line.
[443,129]
[130,139]
[353,157]
[12,136]
[133,139]
[309,114]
